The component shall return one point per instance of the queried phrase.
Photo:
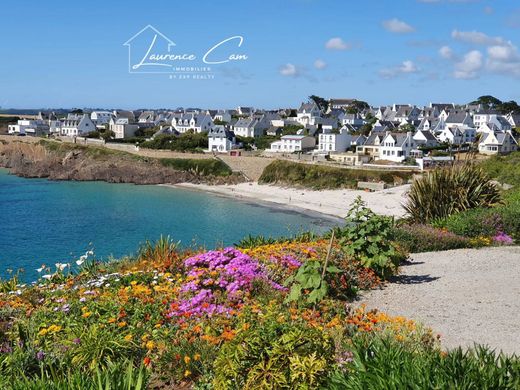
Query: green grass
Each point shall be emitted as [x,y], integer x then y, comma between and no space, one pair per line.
[201,166]
[505,169]
[324,177]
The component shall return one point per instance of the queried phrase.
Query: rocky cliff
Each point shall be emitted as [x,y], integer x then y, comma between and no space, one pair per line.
[72,162]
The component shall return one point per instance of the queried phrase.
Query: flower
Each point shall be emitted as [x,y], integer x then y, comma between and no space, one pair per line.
[128,337]
[41,268]
[40,355]
[61,266]
[187,359]
[47,276]
[147,361]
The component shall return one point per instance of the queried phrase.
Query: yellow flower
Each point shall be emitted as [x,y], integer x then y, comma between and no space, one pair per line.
[145,337]
[128,337]
[111,320]
[187,359]
[150,345]
[121,324]
[43,332]
[196,357]
[87,314]
[133,282]
[187,373]
[157,326]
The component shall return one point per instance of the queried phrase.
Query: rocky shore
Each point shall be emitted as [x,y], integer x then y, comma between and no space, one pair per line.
[57,161]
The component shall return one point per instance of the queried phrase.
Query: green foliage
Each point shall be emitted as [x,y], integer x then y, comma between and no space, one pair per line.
[366,237]
[447,191]
[120,376]
[187,142]
[274,356]
[308,285]
[322,103]
[385,364]
[324,177]
[291,129]
[487,221]
[251,241]
[261,143]
[424,238]
[203,167]
[505,169]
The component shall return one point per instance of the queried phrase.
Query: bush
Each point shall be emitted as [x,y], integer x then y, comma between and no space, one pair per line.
[505,169]
[424,238]
[487,221]
[187,142]
[366,237]
[323,177]
[447,191]
[202,167]
[386,364]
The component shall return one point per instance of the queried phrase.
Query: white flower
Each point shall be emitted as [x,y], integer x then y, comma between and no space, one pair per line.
[61,266]
[90,253]
[48,277]
[40,269]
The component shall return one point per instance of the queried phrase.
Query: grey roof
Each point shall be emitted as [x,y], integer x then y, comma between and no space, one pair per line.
[503,121]
[307,107]
[515,118]
[245,122]
[456,117]
[428,135]
[487,112]
[221,132]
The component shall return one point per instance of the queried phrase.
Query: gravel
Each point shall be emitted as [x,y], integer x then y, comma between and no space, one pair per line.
[467,296]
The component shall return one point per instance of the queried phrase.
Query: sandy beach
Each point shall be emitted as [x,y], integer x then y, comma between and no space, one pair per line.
[331,202]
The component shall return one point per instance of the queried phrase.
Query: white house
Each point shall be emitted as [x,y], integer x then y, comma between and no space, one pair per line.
[74,125]
[101,118]
[451,135]
[497,143]
[220,140]
[199,123]
[222,116]
[308,114]
[459,119]
[484,116]
[249,127]
[293,143]
[122,128]
[425,138]
[34,127]
[351,119]
[334,142]
[397,146]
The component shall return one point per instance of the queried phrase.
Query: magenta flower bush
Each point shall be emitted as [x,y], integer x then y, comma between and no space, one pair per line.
[217,283]
[503,239]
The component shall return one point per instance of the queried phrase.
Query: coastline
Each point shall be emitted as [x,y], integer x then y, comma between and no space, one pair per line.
[333,204]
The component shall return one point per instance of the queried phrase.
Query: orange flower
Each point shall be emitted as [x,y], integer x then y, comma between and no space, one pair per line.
[147,361]
[121,324]
[111,320]
[187,359]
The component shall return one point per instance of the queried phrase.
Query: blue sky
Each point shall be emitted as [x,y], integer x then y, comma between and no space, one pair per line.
[71,54]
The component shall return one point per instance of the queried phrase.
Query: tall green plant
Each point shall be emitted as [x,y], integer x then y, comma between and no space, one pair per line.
[444,192]
[366,237]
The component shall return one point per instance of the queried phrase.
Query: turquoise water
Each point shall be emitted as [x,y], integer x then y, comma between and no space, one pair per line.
[45,222]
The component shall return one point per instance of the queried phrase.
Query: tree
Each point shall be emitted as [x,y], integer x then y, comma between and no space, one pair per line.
[322,103]
[488,101]
[509,107]
[406,128]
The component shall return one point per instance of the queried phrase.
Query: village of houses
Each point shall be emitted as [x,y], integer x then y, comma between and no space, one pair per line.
[399,134]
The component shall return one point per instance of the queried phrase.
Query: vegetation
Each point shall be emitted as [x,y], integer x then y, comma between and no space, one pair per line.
[324,177]
[488,222]
[444,192]
[491,102]
[187,142]
[263,315]
[504,169]
[203,167]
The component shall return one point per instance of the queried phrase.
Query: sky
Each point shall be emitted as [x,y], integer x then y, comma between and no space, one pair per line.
[72,54]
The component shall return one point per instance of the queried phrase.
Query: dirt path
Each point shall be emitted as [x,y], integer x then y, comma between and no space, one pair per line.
[467,296]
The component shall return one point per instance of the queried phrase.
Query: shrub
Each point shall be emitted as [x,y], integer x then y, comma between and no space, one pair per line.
[387,364]
[198,166]
[274,355]
[418,238]
[323,177]
[447,191]
[366,237]
[505,169]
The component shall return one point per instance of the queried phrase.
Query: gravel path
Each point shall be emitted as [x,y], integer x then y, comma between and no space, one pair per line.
[467,296]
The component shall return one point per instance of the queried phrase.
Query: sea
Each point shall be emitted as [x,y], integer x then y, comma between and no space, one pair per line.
[48,222]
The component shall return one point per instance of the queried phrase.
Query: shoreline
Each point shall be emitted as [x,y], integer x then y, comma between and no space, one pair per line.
[332,204]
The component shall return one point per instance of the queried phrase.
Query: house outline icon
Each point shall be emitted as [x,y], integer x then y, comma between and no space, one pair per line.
[157,34]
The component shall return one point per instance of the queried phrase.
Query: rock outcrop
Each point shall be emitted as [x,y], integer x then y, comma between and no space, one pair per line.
[68,162]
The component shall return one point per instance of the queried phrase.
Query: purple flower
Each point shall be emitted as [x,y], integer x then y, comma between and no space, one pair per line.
[40,355]
[77,341]
[503,239]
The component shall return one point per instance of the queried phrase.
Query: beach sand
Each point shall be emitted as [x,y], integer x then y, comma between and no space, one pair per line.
[331,202]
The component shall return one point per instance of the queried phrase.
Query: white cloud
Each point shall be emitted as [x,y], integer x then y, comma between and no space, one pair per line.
[476,38]
[337,44]
[407,67]
[320,64]
[469,66]
[504,60]
[289,70]
[397,26]
[446,52]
